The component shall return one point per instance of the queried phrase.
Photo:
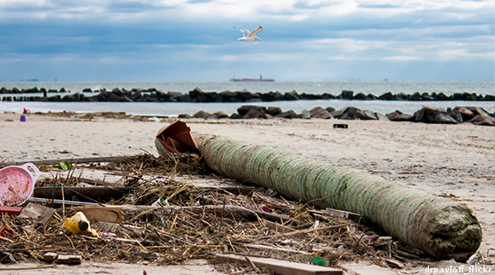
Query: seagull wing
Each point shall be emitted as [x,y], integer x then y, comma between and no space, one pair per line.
[255,31]
[243,30]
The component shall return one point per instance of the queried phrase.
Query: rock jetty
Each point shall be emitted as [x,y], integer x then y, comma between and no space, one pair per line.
[198,95]
[474,115]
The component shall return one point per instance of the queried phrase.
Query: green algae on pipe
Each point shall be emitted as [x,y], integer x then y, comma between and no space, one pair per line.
[438,226]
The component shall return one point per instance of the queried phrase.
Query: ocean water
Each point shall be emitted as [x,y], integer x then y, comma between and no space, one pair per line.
[333,87]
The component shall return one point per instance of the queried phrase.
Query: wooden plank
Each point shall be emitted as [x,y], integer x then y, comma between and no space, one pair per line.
[71,160]
[279,249]
[281,266]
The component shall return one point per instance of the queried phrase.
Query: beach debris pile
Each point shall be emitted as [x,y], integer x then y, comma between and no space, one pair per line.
[169,215]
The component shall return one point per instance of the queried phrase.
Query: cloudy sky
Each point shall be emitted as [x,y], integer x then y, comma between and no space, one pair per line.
[181,40]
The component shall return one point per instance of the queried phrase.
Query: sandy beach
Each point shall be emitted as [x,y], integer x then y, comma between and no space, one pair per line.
[445,160]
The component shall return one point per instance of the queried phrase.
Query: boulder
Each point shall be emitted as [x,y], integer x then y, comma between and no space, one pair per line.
[310,96]
[482,120]
[346,94]
[197,95]
[352,113]
[399,116]
[337,113]
[117,92]
[369,115]
[136,95]
[433,115]
[465,113]
[174,96]
[388,96]
[442,96]
[327,96]
[330,109]
[381,117]
[235,116]
[361,96]
[414,97]
[426,97]
[272,96]
[203,114]
[244,109]
[230,96]
[273,111]
[319,112]
[305,114]
[372,96]
[31,90]
[184,116]
[112,97]
[455,114]
[221,114]
[291,95]
[482,117]
[489,97]
[254,113]
[288,114]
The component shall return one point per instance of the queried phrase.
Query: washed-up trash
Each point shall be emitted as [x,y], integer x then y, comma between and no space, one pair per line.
[17,184]
[68,259]
[7,232]
[38,213]
[10,210]
[64,165]
[176,138]
[161,201]
[343,126]
[79,225]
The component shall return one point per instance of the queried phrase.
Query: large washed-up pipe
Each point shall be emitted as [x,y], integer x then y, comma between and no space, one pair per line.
[439,226]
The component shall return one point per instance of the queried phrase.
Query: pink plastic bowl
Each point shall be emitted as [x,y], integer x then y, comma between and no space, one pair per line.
[17,184]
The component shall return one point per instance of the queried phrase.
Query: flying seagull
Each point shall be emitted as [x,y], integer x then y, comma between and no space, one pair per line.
[249,35]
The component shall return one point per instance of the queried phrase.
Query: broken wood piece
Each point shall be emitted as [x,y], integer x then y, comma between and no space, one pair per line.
[39,213]
[281,266]
[48,257]
[59,202]
[106,213]
[394,263]
[95,192]
[69,259]
[71,160]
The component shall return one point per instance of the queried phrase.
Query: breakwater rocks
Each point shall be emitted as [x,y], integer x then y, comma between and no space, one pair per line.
[198,95]
[474,115]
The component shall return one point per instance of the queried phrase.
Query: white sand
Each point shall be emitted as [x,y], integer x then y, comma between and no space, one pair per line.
[439,159]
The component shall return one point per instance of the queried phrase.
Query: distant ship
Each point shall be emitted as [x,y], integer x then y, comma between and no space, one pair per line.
[251,79]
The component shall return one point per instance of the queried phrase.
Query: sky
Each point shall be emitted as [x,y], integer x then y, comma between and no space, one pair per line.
[195,40]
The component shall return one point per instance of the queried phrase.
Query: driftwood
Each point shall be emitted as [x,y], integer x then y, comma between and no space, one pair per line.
[281,266]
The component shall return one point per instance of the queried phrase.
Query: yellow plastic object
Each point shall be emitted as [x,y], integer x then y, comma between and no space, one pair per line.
[79,225]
